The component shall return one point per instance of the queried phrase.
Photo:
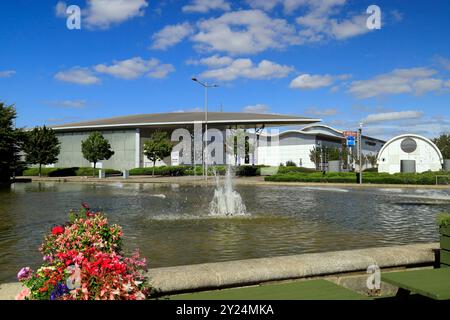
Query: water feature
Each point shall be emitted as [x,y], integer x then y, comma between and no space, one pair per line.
[226,200]
[172,224]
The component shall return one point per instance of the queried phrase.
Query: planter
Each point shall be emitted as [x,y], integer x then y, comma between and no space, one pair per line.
[445,231]
[445,246]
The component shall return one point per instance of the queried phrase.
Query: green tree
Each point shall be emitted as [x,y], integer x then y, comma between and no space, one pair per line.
[10,142]
[443,143]
[96,148]
[314,156]
[157,148]
[41,147]
[372,159]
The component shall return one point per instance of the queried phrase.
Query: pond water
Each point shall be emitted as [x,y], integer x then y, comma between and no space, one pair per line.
[171,225]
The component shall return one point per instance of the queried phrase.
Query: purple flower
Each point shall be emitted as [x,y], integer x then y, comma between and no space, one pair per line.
[60,290]
[24,273]
[48,258]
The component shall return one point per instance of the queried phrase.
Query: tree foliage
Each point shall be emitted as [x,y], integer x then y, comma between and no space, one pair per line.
[10,142]
[96,148]
[443,143]
[157,147]
[41,147]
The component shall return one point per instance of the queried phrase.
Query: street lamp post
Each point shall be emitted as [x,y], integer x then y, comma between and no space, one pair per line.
[205,150]
[360,151]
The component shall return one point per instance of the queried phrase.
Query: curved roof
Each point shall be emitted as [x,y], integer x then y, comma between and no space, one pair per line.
[411,136]
[321,126]
[188,118]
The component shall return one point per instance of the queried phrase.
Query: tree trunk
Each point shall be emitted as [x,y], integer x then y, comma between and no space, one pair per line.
[40,168]
[93,169]
[153,170]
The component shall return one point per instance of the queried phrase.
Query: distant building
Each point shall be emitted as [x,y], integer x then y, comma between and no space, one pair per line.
[127,136]
[296,146]
[409,153]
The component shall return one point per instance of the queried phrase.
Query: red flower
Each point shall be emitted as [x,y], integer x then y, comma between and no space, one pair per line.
[90,214]
[85,205]
[57,230]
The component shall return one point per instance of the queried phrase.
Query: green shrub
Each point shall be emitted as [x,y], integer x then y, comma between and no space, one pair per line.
[290,164]
[426,178]
[247,171]
[443,220]
[65,172]
[283,169]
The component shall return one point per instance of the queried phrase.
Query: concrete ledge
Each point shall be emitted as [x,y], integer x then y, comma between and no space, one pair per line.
[253,271]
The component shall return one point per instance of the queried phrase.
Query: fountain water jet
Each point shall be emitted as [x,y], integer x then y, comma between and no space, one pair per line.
[226,201]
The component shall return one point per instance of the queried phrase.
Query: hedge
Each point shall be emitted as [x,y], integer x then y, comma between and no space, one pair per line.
[65,172]
[351,177]
[174,171]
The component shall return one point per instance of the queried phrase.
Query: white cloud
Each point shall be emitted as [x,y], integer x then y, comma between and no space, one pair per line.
[244,32]
[258,108]
[414,81]
[77,104]
[78,75]
[214,61]
[171,35]
[135,67]
[447,83]
[427,126]
[422,86]
[204,6]
[245,68]
[392,116]
[104,13]
[445,63]
[351,27]
[321,112]
[264,5]
[321,23]
[292,5]
[60,9]
[196,109]
[7,73]
[307,81]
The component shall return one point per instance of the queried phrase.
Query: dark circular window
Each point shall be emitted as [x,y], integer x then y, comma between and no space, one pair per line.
[408,145]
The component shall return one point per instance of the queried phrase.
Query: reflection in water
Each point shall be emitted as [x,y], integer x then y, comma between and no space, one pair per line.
[172,226]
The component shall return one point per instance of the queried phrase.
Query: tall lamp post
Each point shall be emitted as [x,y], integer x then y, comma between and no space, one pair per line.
[360,151]
[205,150]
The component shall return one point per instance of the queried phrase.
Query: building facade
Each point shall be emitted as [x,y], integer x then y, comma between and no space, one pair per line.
[409,153]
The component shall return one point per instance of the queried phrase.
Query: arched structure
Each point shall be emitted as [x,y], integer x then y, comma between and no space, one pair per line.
[415,149]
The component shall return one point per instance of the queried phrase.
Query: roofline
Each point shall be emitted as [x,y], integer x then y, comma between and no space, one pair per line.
[256,121]
[322,126]
[414,136]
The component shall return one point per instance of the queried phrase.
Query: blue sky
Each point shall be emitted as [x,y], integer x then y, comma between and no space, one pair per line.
[315,58]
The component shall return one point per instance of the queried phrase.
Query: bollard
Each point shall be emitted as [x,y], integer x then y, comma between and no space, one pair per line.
[101,174]
[125,174]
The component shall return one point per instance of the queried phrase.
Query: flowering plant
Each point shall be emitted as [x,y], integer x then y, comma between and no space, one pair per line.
[83,260]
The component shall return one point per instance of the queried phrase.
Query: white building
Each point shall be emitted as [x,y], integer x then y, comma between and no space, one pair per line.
[410,152]
[296,145]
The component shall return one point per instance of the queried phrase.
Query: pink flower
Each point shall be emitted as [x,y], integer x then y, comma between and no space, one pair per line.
[25,293]
[24,273]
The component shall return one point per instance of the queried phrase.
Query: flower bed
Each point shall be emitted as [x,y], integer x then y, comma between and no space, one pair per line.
[83,260]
